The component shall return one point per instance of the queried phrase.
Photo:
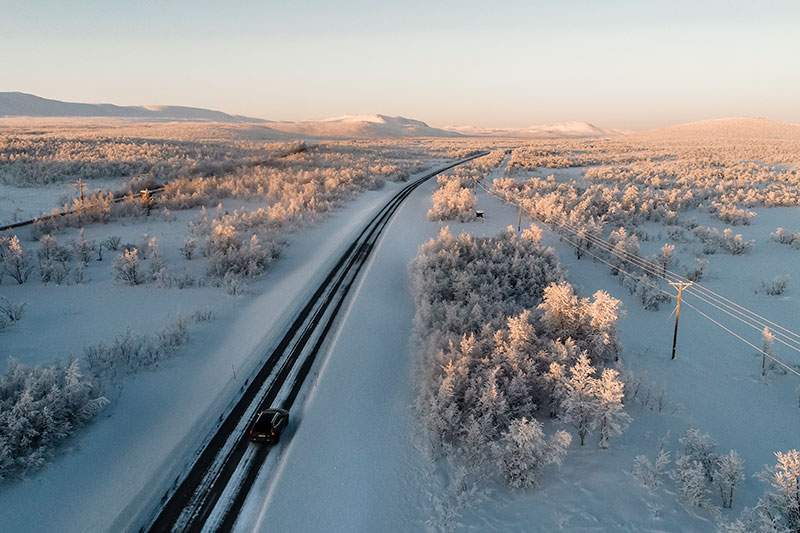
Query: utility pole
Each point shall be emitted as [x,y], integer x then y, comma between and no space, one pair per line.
[519,222]
[680,286]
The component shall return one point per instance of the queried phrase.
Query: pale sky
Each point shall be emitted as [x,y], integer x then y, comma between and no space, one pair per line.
[618,64]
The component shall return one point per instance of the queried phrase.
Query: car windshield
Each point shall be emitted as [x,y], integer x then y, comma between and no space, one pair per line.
[264,421]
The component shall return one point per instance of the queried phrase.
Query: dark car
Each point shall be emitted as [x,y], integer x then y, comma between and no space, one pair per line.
[268,425]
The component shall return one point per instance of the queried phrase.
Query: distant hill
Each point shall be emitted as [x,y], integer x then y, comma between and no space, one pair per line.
[729,128]
[363,127]
[543,131]
[14,104]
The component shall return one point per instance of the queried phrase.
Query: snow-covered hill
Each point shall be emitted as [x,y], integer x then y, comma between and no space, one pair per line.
[13,104]
[541,131]
[738,127]
[363,126]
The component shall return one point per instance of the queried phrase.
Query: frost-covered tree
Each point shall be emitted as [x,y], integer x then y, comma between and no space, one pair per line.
[40,407]
[666,257]
[729,473]
[784,498]
[611,420]
[16,262]
[581,405]
[561,310]
[700,447]
[690,479]
[523,452]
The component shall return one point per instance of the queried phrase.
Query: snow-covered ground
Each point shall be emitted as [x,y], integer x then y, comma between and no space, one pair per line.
[352,459]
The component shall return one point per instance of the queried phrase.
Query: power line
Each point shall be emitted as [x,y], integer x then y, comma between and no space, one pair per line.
[653,268]
[662,272]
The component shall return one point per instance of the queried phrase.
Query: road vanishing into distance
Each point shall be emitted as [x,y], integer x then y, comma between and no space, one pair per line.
[211,495]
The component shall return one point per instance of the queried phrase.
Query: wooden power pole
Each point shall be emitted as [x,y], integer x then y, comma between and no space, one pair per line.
[680,286]
[519,222]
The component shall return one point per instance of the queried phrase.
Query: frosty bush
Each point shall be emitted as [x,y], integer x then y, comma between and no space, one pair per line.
[697,272]
[649,473]
[776,286]
[126,267]
[189,245]
[82,248]
[131,352]
[782,237]
[11,311]
[112,242]
[452,201]
[730,214]
[229,255]
[39,408]
[734,243]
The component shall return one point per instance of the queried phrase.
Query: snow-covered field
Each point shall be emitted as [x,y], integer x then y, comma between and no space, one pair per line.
[353,457]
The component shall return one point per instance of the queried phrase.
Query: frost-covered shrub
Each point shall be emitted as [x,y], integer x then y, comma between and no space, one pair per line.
[730,214]
[11,311]
[189,245]
[82,248]
[202,315]
[112,242]
[735,244]
[131,352]
[649,292]
[234,284]
[776,286]
[697,272]
[229,255]
[183,281]
[452,201]
[40,407]
[710,237]
[126,267]
[649,473]
[782,237]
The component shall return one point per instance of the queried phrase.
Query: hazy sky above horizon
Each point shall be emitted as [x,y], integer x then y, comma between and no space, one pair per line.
[619,64]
